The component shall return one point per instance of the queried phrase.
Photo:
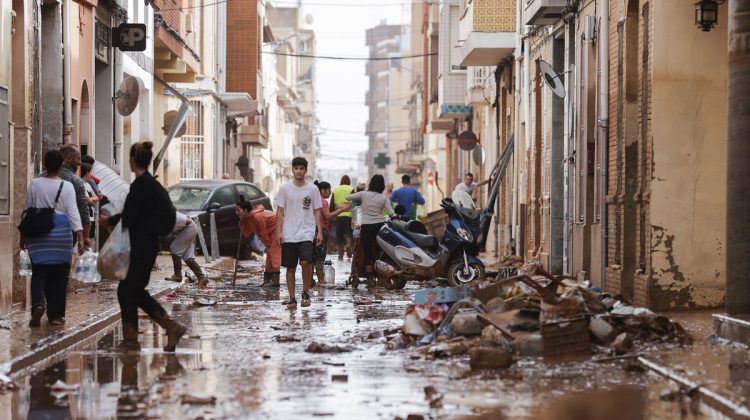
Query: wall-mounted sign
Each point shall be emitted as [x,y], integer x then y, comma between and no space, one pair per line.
[129,37]
[102,42]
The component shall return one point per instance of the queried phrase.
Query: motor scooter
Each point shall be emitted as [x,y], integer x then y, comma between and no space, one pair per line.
[409,253]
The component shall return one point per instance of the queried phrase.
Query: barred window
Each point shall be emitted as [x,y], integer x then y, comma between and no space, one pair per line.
[191,144]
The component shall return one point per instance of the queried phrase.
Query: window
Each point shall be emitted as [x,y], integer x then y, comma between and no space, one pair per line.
[224,196]
[191,144]
[250,192]
[188,199]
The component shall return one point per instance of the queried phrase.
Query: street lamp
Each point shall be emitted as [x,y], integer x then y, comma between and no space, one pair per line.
[707,14]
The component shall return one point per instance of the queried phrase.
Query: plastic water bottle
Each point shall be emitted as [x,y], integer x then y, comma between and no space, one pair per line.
[86,268]
[356,217]
[24,266]
[329,273]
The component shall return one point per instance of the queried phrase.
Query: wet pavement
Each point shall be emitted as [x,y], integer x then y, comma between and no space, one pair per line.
[244,357]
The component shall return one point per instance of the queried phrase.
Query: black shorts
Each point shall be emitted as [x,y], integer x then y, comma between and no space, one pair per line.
[294,252]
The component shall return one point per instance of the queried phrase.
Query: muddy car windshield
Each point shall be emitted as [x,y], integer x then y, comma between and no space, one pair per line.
[188,199]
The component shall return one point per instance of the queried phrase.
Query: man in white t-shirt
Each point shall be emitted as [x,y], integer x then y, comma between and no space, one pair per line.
[469,186]
[298,218]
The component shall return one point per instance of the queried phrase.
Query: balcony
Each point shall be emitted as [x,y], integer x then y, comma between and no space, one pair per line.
[254,134]
[405,164]
[488,28]
[480,86]
[543,12]
[287,100]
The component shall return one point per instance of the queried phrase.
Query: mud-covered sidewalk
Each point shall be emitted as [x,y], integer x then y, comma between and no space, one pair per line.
[247,356]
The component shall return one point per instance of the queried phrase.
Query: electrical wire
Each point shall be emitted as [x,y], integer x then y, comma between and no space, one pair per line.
[331,57]
[191,7]
[282,2]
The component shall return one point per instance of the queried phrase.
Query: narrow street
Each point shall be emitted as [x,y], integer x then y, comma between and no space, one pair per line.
[246,358]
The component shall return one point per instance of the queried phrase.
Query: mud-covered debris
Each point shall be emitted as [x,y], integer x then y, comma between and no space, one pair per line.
[466,323]
[337,364]
[452,348]
[327,348]
[622,344]
[340,378]
[286,339]
[361,300]
[483,357]
[204,302]
[602,330]
[398,342]
[496,305]
[529,345]
[430,392]
[198,399]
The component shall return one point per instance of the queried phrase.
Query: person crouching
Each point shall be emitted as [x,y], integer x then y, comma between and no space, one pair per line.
[261,222]
[182,248]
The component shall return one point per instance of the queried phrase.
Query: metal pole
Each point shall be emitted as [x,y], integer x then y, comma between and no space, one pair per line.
[738,154]
[202,240]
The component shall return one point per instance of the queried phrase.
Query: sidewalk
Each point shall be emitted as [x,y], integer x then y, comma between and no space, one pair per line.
[714,370]
[90,309]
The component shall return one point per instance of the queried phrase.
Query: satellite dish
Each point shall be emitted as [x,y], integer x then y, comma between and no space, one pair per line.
[479,155]
[126,98]
[169,118]
[553,80]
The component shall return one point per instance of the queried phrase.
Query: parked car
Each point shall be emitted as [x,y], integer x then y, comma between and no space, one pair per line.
[203,197]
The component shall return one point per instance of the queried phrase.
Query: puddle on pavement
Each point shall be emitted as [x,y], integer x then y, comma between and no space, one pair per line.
[233,354]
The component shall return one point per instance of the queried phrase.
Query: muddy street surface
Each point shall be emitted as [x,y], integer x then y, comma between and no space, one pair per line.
[248,356]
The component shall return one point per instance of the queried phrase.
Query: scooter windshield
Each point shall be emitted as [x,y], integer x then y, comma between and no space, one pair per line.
[464,204]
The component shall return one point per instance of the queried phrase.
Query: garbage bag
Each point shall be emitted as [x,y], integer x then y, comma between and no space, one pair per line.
[114,257]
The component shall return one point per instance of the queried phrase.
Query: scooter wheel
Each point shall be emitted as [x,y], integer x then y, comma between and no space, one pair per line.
[458,277]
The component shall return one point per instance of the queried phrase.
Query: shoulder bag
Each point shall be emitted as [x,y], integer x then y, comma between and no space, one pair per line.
[39,221]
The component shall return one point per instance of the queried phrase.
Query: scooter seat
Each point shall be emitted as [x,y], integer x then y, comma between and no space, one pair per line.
[421,240]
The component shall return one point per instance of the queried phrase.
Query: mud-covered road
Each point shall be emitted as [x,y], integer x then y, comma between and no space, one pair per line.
[246,357]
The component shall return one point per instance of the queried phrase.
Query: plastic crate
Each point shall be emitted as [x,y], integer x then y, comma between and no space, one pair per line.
[441,295]
[566,340]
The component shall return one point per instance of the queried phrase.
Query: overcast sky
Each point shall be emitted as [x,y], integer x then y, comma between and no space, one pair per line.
[341,85]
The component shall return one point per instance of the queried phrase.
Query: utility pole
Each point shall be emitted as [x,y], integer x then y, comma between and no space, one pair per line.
[738,170]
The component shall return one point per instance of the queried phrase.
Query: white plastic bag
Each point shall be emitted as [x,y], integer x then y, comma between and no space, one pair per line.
[114,257]
[257,245]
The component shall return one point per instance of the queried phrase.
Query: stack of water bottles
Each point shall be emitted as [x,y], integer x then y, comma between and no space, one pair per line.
[86,271]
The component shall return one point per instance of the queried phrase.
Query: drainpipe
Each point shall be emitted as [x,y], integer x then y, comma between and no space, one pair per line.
[603,123]
[68,103]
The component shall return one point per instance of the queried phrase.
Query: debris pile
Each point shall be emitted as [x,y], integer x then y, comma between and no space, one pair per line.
[530,314]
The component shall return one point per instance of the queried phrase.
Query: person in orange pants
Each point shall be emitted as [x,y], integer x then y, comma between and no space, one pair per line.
[261,222]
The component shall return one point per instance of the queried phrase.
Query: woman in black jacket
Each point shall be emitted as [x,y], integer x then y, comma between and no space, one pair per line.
[148,213]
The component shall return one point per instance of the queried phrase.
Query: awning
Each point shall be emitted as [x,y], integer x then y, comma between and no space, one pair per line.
[239,104]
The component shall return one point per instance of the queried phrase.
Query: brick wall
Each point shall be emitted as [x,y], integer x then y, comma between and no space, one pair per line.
[243,44]
[621,128]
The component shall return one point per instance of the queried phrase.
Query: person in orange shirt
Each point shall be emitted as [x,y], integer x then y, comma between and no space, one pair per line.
[261,222]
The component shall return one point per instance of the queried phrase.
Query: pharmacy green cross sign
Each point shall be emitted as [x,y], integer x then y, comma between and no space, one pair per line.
[381,160]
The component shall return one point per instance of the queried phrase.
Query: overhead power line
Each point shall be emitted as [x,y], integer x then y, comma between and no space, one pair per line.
[194,7]
[331,57]
[315,3]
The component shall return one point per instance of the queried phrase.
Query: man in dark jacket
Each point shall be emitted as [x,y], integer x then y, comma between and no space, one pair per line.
[71,162]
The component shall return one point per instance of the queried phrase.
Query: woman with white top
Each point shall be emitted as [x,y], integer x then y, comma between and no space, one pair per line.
[373,204]
[50,253]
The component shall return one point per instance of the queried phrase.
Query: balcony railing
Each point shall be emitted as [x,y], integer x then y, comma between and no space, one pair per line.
[480,86]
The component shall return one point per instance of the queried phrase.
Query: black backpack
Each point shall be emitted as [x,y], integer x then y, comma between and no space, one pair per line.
[37,222]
